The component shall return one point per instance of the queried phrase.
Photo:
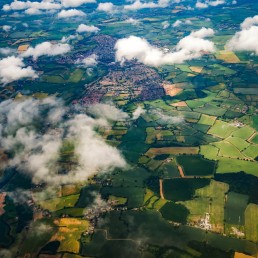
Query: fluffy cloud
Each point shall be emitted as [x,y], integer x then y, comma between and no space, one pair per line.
[68,38]
[202,33]
[137,5]
[108,112]
[87,28]
[20,5]
[13,68]
[201,5]
[32,7]
[247,38]
[33,11]
[187,48]
[165,25]
[178,23]
[39,150]
[6,51]
[168,119]
[89,61]
[70,13]
[132,21]
[75,3]
[7,28]
[249,22]
[47,48]
[107,7]
[207,3]
[138,112]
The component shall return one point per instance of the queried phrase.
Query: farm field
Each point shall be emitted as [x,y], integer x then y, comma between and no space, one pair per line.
[196,165]
[128,129]
[251,223]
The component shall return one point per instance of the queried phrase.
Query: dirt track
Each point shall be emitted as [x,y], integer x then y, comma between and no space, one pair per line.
[161,189]
[181,171]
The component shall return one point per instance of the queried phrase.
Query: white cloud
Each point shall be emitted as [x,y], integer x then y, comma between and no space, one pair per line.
[12,69]
[39,151]
[46,48]
[87,28]
[249,22]
[187,48]
[165,25]
[247,38]
[132,21]
[75,3]
[207,3]
[6,51]
[203,33]
[216,3]
[138,112]
[108,112]
[89,61]
[68,38]
[7,28]
[70,13]
[107,7]
[177,23]
[137,5]
[168,119]
[188,22]
[20,5]
[33,11]
[201,5]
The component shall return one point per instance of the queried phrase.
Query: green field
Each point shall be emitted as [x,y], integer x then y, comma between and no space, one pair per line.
[251,222]
[222,129]
[209,151]
[59,203]
[244,132]
[226,165]
[239,143]
[235,208]
[251,151]
[226,149]
[194,165]
[182,189]
[174,212]
[209,199]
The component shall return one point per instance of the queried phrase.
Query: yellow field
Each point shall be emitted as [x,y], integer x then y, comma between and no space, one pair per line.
[152,152]
[69,233]
[179,104]
[171,89]
[227,56]
[196,69]
[70,189]
[241,255]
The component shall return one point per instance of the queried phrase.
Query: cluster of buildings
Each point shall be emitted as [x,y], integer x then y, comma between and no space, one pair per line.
[204,223]
[92,214]
[133,81]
